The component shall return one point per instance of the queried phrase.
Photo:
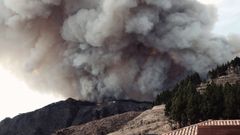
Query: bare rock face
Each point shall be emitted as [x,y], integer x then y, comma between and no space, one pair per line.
[51,118]
[152,121]
[100,127]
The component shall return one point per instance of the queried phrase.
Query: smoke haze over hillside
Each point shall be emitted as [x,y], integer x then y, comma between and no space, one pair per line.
[91,49]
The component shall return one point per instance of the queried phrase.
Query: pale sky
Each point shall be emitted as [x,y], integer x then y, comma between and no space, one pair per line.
[24,100]
[16,97]
[228,16]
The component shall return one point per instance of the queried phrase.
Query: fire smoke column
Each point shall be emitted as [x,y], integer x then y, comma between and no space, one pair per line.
[93,49]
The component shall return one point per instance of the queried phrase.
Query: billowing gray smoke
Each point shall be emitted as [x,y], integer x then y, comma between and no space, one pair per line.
[91,49]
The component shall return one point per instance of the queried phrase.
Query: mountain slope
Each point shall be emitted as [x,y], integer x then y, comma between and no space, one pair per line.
[100,127]
[152,121]
[64,114]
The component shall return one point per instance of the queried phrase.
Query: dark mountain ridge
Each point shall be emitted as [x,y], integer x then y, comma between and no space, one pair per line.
[67,113]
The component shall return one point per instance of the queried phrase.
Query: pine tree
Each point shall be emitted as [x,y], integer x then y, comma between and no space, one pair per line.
[163,97]
[230,102]
[213,102]
[193,108]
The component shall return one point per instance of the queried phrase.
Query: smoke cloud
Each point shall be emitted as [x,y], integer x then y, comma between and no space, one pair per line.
[92,49]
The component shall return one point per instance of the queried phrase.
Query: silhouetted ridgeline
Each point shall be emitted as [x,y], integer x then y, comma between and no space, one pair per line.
[64,114]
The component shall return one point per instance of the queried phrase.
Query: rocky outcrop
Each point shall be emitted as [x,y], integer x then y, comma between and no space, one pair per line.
[152,122]
[232,76]
[64,114]
[100,127]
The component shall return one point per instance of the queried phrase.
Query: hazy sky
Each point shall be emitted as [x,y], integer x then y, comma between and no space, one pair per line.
[22,98]
[228,16]
[27,100]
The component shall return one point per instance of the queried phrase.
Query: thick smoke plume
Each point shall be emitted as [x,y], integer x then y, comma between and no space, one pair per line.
[92,49]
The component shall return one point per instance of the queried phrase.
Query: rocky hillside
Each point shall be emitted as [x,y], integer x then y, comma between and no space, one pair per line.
[65,114]
[100,127]
[151,121]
